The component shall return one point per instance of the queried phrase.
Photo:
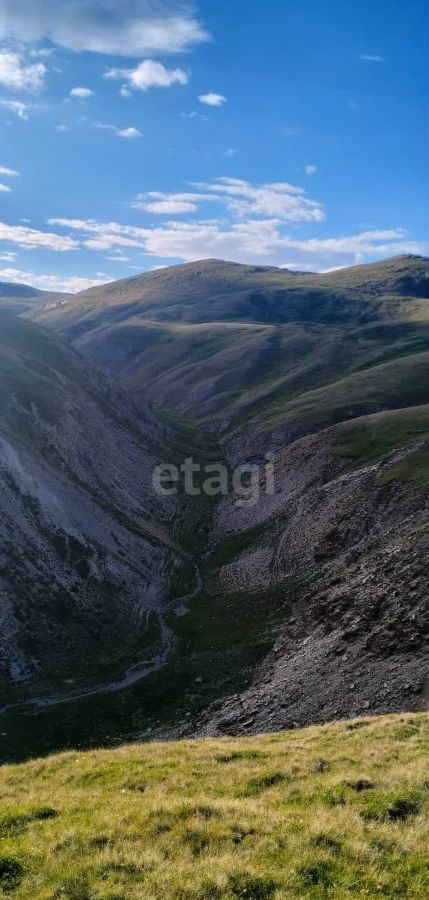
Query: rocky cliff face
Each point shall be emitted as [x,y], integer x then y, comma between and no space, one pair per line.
[85,544]
[355,639]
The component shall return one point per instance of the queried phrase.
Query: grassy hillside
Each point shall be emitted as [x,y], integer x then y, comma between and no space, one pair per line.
[398,383]
[251,344]
[213,290]
[334,811]
[366,439]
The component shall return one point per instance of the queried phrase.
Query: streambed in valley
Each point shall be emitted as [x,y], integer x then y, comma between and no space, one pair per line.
[133,675]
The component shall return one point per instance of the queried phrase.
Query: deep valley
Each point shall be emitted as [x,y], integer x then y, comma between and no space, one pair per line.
[129,614]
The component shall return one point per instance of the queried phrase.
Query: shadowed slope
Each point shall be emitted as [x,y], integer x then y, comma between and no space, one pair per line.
[20,298]
[213,290]
[226,343]
[85,545]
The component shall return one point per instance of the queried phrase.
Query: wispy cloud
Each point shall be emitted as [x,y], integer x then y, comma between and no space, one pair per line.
[127,133]
[8,173]
[16,107]
[98,236]
[128,28]
[212,99]
[253,241]
[310,169]
[371,57]
[170,204]
[148,74]
[33,239]
[68,284]
[17,75]
[279,199]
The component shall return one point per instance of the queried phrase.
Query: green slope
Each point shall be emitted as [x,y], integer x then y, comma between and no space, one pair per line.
[213,290]
[398,383]
[335,811]
[241,343]
[367,439]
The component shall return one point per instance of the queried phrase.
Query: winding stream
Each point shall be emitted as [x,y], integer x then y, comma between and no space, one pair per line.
[132,676]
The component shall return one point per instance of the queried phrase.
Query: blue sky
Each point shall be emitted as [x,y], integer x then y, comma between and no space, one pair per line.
[141,133]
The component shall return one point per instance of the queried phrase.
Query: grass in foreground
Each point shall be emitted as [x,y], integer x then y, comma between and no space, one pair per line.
[331,811]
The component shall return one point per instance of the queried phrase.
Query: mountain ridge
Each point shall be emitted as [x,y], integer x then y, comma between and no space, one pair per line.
[330,376]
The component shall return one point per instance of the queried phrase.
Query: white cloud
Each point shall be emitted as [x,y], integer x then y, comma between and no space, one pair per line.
[81,93]
[212,99]
[310,169]
[61,128]
[169,207]
[371,57]
[33,239]
[16,107]
[230,153]
[8,257]
[68,284]
[281,200]
[170,204]
[8,173]
[120,258]
[147,74]
[128,28]
[127,133]
[17,75]
[251,241]
[97,236]
[278,199]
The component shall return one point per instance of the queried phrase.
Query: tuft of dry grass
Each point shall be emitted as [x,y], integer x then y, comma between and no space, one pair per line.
[331,811]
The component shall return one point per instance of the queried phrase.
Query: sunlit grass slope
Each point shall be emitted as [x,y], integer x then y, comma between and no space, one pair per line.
[331,811]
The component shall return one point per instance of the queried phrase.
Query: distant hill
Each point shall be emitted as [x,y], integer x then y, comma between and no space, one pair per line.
[20,298]
[213,290]
[233,344]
